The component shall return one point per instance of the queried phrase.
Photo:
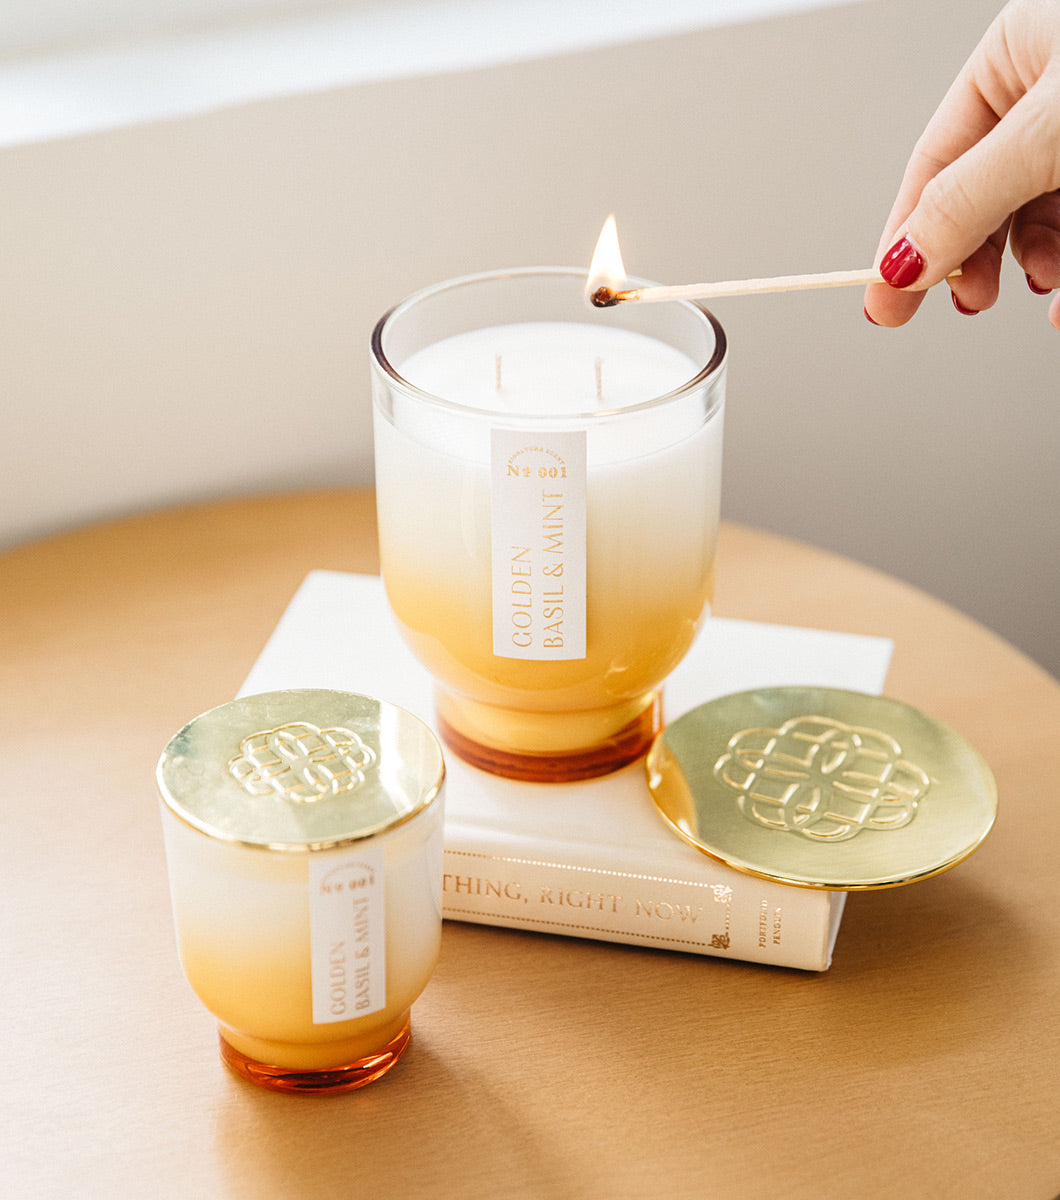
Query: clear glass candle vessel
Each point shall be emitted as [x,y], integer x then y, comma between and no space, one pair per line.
[303,835]
[548,478]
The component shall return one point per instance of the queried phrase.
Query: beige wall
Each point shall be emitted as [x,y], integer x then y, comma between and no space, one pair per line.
[184,307]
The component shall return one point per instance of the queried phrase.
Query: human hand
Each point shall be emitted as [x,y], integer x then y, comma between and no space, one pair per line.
[985,170]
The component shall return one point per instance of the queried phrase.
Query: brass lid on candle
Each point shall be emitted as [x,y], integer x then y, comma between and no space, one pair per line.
[301,770]
[822,788]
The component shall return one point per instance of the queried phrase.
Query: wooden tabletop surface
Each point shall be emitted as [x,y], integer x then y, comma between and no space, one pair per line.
[925,1063]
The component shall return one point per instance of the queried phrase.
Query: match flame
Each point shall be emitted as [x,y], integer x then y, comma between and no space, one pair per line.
[607,274]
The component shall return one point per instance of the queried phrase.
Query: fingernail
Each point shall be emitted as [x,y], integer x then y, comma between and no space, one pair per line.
[902,264]
[1037,289]
[869,319]
[963,309]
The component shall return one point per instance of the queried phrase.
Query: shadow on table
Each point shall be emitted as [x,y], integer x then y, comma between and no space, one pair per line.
[929,952]
[528,1048]
[395,1138]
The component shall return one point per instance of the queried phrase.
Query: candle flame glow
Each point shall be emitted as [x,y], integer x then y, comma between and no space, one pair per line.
[607,273]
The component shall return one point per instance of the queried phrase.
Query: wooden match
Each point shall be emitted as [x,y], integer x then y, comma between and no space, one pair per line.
[605,297]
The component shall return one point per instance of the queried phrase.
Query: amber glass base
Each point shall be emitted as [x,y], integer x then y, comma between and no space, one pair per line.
[623,747]
[317,1082]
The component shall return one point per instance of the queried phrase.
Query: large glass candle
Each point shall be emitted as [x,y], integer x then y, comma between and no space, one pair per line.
[303,834]
[548,480]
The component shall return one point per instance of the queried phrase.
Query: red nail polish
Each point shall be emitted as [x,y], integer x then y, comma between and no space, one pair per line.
[1036,289]
[902,264]
[963,309]
[869,319]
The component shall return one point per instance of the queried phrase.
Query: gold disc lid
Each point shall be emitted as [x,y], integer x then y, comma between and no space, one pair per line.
[822,788]
[306,769]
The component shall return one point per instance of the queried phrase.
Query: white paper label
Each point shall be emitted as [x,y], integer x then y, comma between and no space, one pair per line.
[347,919]
[537,529]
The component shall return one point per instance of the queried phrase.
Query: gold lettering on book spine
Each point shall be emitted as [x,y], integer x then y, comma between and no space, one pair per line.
[553,905]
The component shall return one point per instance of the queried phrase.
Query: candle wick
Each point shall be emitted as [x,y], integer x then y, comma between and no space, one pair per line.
[598,367]
[497,364]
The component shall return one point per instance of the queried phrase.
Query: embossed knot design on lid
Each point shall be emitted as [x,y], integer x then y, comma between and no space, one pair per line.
[821,779]
[301,762]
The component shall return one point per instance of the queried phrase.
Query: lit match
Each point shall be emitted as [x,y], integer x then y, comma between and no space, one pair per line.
[607,281]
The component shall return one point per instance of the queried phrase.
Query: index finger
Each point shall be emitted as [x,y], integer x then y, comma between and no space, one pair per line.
[961,121]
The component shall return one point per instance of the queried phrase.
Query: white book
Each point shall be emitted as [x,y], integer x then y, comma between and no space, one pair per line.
[591,859]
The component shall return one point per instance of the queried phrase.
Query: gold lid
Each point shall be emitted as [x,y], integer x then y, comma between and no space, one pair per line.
[300,770]
[822,788]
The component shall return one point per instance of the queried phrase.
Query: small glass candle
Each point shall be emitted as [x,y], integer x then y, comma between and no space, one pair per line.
[548,477]
[303,834]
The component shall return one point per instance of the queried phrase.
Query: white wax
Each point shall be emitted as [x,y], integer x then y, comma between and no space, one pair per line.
[549,367]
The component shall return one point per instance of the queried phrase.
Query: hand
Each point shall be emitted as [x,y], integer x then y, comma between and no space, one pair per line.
[986,169]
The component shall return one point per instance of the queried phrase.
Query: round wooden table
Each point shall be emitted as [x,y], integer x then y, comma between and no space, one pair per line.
[925,1063]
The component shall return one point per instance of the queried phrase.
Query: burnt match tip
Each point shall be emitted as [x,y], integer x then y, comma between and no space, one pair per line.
[604,297]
